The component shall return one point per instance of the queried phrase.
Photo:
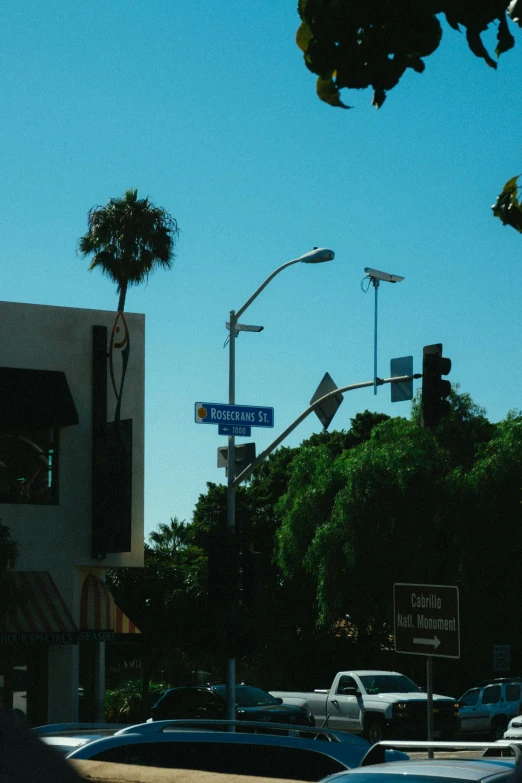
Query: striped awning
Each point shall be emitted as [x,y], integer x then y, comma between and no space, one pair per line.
[99,612]
[42,614]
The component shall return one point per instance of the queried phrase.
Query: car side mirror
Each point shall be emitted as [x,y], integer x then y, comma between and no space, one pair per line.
[350,691]
[279,700]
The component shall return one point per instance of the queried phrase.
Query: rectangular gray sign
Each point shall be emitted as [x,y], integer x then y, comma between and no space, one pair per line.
[403,390]
[426,619]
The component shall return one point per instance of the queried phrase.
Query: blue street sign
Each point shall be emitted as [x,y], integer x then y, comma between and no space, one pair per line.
[239,430]
[219,413]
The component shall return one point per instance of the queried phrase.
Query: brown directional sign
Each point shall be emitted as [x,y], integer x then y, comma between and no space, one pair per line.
[426,620]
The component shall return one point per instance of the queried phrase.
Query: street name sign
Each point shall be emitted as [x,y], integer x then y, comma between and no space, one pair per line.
[240,430]
[219,413]
[426,619]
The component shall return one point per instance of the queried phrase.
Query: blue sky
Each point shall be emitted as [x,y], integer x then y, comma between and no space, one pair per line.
[208,109]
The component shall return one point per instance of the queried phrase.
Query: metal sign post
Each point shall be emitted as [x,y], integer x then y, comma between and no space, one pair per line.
[429,683]
[426,619]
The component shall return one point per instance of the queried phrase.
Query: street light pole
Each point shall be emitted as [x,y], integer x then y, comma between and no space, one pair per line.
[316,256]
[231,531]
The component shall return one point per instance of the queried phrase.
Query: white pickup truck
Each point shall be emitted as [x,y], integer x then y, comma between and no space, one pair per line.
[379,705]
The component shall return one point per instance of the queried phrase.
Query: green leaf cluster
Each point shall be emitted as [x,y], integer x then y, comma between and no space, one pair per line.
[371,43]
[507,207]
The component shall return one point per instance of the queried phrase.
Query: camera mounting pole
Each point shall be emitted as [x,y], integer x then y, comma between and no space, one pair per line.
[374,276]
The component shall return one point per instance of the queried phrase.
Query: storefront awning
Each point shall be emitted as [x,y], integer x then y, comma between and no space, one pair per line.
[99,612]
[35,398]
[42,616]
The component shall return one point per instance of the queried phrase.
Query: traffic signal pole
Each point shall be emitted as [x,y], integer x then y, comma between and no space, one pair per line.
[269,449]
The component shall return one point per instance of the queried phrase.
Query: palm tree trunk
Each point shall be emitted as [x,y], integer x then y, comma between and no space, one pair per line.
[123,294]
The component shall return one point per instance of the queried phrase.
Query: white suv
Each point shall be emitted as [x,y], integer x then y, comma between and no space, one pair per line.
[488,708]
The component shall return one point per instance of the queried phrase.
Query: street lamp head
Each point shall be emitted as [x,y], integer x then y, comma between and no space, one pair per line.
[317,256]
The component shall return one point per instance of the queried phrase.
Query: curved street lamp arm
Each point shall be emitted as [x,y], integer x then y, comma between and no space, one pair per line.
[269,449]
[247,304]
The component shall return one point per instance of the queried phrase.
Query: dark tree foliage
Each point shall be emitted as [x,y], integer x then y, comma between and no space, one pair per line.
[371,43]
[166,600]
[279,643]
[336,522]
[339,440]
[438,506]
[508,207]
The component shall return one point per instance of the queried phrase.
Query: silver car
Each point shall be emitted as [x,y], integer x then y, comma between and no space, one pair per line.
[500,762]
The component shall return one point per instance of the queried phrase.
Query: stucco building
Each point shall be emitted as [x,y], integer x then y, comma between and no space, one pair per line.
[71,491]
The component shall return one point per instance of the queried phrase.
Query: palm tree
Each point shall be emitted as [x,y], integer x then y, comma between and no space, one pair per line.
[128,238]
[170,538]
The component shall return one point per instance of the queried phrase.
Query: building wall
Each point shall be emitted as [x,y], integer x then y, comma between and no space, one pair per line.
[57,538]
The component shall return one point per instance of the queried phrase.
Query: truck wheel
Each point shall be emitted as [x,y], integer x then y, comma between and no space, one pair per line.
[498,727]
[374,729]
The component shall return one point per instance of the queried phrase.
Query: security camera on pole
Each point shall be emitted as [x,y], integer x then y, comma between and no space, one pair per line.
[374,277]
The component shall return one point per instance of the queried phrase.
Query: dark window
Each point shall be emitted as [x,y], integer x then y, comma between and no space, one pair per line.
[512,691]
[389,683]
[470,698]
[29,465]
[188,703]
[271,761]
[346,682]
[491,694]
[248,696]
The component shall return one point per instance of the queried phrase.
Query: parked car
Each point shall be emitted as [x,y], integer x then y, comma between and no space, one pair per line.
[503,764]
[487,708]
[209,701]
[377,704]
[66,737]
[514,729]
[255,748]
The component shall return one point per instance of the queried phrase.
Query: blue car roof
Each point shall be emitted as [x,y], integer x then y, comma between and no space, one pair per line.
[345,753]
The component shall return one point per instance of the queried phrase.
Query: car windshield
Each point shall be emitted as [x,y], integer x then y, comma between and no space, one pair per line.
[389,683]
[247,696]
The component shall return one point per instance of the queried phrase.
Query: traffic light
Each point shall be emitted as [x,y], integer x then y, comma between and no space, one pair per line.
[434,389]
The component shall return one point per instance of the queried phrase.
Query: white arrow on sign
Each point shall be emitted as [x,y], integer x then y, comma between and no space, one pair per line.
[433,642]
